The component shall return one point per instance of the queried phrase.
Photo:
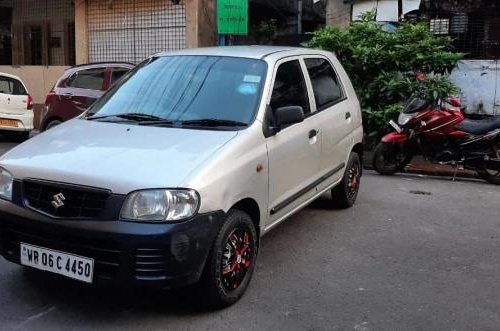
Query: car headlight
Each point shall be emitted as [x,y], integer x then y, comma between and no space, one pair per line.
[6,180]
[404,118]
[160,205]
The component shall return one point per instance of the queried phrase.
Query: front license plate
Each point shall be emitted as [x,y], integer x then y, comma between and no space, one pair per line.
[8,122]
[69,265]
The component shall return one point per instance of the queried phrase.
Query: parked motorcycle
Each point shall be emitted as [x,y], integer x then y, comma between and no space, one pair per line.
[442,135]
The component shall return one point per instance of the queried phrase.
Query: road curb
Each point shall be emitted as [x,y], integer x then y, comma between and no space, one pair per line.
[421,166]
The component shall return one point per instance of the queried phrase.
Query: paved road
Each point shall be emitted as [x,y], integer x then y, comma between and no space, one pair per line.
[415,253]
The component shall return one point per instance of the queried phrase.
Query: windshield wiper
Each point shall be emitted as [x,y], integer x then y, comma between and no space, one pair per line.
[213,122]
[130,116]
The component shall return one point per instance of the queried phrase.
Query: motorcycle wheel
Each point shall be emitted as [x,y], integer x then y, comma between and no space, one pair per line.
[389,158]
[492,176]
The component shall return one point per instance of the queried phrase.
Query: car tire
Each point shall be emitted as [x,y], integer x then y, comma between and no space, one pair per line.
[22,136]
[52,124]
[231,262]
[345,193]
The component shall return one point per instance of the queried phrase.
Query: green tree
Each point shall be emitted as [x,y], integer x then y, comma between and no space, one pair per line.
[386,68]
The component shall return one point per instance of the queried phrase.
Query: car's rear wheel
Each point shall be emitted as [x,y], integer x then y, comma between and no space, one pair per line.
[345,193]
[231,263]
[52,124]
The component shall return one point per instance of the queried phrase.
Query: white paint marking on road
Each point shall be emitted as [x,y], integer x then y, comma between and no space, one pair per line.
[34,318]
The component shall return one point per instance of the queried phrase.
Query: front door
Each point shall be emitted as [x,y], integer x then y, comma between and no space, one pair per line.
[294,152]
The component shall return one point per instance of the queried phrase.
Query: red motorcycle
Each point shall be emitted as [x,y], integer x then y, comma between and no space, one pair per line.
[442,135]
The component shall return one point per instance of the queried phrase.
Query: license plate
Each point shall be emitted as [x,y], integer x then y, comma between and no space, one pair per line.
[8,122]
[395,126]
[69,265]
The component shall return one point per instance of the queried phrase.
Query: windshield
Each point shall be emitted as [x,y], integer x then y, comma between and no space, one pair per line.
[187,88]
[414,105]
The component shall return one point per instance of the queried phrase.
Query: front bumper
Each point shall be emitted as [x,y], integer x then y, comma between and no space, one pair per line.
[24,121]
[125,253]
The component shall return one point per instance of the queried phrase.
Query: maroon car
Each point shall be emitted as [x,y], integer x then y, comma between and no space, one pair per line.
[78,88]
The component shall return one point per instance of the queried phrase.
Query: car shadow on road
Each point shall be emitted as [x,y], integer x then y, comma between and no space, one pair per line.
[9,138]
[106,302]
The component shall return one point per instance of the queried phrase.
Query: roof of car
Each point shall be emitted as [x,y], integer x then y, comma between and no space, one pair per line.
[10,76]
[256,52]
[103,64]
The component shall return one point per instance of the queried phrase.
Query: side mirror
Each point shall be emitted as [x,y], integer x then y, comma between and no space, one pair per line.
[285,116]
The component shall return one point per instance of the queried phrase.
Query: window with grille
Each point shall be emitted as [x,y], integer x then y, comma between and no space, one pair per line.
[475,34]
[37,32]
[132,30]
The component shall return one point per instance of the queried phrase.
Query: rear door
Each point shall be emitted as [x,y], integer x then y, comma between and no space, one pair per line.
[294,152]
[81,90]
[332,109]
[13,96]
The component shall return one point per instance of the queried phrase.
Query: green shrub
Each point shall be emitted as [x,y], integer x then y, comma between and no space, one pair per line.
[383,66]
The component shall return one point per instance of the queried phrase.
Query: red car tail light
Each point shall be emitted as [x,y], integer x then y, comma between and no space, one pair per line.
[29,103]
[50,96]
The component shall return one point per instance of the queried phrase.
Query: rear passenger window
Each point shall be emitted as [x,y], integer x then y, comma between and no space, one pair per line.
[325,82]
[290,87]
[90,79]
[118,73]
[11,86]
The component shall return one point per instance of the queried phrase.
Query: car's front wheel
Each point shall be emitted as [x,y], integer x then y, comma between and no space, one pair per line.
[231,263]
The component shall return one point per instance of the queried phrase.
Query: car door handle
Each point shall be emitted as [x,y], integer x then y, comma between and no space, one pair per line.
[347,115]
[313,133]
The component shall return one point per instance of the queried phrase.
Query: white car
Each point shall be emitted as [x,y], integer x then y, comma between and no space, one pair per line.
[173,175]
[16,106]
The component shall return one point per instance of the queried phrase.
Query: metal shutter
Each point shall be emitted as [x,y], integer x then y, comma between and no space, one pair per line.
[132,30]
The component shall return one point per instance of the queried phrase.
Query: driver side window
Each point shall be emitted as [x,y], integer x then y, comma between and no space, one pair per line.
[290,87]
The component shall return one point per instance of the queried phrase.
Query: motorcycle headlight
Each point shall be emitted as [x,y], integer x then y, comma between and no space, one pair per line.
[404,118]
[6,180]
[160,205]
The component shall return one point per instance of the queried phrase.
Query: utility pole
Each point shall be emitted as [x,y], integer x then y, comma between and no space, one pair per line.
[299,17]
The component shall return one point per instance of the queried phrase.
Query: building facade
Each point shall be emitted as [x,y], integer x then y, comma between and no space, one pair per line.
[40,39]
[473,25]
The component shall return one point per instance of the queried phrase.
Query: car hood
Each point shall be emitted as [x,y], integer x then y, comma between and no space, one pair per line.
[119,157]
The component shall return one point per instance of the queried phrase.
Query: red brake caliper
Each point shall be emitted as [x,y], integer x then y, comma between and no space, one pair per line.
[239,261]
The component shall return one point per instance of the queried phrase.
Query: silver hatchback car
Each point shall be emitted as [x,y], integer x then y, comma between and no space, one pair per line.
[172,177]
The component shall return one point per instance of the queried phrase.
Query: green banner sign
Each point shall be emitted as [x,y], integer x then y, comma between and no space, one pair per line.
[232,17]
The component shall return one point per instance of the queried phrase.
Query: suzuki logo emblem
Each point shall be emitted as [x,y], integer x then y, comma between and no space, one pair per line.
[58,200]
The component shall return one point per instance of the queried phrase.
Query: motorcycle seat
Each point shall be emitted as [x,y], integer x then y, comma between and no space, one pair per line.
[479,127]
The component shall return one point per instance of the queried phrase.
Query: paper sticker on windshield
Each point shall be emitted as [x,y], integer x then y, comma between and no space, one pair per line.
[251,79]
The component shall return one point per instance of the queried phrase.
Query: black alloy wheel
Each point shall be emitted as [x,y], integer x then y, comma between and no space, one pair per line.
[231,262]
[344,195]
